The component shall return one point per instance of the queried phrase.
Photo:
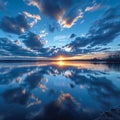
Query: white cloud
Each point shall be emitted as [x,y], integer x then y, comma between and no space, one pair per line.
[34,17]
[43,33]
[60,38]
[92,8]
[68,22]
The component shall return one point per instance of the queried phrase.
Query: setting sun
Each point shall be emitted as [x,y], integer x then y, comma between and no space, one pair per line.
[60,58]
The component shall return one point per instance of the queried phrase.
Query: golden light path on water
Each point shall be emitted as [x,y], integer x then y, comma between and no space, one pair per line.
[59,64]
[77,64]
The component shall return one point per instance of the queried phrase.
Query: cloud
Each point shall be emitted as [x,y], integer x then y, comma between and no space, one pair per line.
[33,41]
[69,19]
[11,48]
[64,108]
[18,42]
[104,87]
[19,24]
[54,27]
[92,8]
[51,28]
[65,12]
[72,35]
[47,7]
[37,17]
[2,5]
[43,33]
[60,38]
[34,17]
[101,33]
[16,25]
[16,95]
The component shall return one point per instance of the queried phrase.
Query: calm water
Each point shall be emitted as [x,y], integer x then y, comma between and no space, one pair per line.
[57,91]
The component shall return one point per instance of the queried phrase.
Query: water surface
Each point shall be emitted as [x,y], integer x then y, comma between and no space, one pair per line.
[58,90]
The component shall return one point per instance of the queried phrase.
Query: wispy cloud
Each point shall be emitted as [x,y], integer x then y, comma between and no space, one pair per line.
[92,8]
[60,38]
[34,17]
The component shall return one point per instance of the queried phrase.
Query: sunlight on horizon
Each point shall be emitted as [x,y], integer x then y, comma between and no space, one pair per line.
[79,65]
[61,58]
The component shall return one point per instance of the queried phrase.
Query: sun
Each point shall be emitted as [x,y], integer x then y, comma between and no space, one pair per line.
[60,58]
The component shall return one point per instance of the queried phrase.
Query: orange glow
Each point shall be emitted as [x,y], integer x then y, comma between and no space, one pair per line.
[61,58]
[82,57]
[61,63]
[81,65]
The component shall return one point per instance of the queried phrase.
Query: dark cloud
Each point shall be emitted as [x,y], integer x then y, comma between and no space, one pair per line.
[72,36]
[65,12]
[10,73]
[52,28]
[10,48]
[16,95]
[64,108]
[16,25]
[34,46]
[56,52]
[37,76]
[101,33]
[2,5]
[33,41]
[36,43]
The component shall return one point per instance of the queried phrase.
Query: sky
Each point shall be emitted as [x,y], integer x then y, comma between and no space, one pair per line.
[48,28]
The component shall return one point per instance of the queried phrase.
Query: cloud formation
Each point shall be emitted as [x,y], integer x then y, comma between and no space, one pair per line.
[65,107]
[11,48]
[34,17]
[33,41]
[65,12]
[18,24]
[101,33]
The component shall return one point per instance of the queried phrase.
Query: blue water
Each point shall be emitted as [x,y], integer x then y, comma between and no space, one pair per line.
[58,91]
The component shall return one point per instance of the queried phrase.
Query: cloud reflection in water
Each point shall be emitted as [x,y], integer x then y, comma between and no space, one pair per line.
[57,90]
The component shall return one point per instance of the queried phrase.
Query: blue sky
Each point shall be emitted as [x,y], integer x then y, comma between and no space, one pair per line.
[53,27]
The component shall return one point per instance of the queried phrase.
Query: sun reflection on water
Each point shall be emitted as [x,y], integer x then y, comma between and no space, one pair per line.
[61,63]
[79,65]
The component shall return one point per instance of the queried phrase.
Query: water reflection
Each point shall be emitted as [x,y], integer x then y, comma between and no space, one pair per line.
[57,90]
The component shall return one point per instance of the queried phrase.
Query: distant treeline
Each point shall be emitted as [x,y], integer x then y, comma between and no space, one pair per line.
[110,58]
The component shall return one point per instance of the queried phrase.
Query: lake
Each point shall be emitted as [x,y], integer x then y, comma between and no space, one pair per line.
[58,90]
